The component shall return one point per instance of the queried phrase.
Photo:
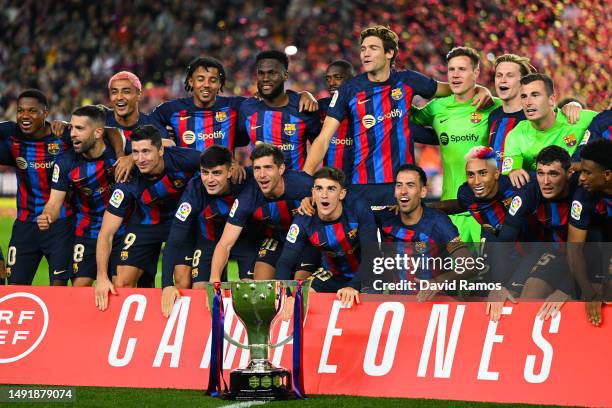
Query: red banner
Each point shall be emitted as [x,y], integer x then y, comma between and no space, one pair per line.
[386,346]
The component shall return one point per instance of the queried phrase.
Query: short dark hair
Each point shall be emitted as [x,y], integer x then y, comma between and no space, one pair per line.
[95,113]
[388,37]
[538,76]
[267,149]
[413,167]
[275,55]
[204,62]
[599,151]
[147,132]
[214,156]
[35,94]
[469,52]
[330,173]
[344,65]
[551,154]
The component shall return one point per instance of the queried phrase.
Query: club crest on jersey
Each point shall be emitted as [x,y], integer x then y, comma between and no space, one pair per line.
[178,183]
[570,140]
[183,211]
[397,94]
[188,137]
[476,117]
[289,129]
[53,148]
[507,201]
[507,164]
[56,173]
[368,121]
[234,208]
[220,116]
[576,210]
[353,233]
[420,247]
[515,205]
[117,198]
[294,230]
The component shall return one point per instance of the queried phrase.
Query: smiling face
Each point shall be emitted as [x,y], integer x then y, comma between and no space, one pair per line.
[327,195]
[271,77]
[124,97]
[31,115]
[507,80]
[461,74]
[268,175]
[482,177]
[206,84]
[147,157]
[216,179]
[334,77]
[409,191]
[537,105]
[373,56]
[552,179]
[83,133]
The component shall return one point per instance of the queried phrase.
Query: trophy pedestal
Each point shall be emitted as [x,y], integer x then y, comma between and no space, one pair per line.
[259,381]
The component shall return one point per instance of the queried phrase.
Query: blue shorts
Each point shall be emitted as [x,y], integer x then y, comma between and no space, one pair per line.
[29,244]
[84,257]
[244,252]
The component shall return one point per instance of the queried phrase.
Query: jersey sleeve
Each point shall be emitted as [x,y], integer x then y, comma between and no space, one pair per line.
[121,200]
[523,204]
[298,185]
[464,198]
[160,118]
[313,125]
[295,242]
[60,179]
[244,205]
[189,159]
[513,155]
[423,134]
[446,231]
[422,85]
[582,208]
[423,116]
[339,104]
[6,130]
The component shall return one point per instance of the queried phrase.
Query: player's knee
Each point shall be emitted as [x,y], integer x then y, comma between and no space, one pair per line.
[536,288]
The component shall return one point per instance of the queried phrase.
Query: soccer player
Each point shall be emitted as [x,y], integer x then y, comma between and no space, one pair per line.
[276,118]
[543,205]
[459,127]
[154,192]
[544,127]
[88,171]
[591,212]
[205,204]
[269,202]
[340,231]
[125,92]
[377,105]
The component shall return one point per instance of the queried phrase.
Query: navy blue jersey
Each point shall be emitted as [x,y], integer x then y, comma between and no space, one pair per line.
[34,159]
[546,219]
[491,211]
[143,119]
[600,128]
[340,241]
[272,215]
[592,209]
[378,115]
[92,181]
[427,238]
[500,124]
[156,199]
[340,153]
[6,157]
[284,127]
[199,128]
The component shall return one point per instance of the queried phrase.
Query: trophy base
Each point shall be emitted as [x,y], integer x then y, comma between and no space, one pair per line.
[270,384]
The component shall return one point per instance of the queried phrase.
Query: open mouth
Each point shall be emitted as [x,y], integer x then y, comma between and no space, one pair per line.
[547,190]
[205,94]
[264,184]
[403,201]
[530,111]
[325,204]
[121,105]
[76,143]
[25,124]
[456,83]
[479,189]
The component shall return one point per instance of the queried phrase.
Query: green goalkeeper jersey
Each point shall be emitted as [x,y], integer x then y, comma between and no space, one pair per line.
[459,127]
[524,142]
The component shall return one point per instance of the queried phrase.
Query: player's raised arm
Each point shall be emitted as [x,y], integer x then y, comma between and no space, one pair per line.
[321,144]
[110,225]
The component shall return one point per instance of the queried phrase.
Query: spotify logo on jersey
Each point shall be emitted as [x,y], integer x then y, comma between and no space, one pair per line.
[444,138]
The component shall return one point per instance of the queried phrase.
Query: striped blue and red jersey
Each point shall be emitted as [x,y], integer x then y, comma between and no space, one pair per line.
[92,181]
[600,128]
[34,159]
[340,241]
[428,238]
[379,116]
[284,127]
[340,153]
[488,211]
[271,216]
[155,200]
[111,121]
[500,124]
[591,210]
[199,128]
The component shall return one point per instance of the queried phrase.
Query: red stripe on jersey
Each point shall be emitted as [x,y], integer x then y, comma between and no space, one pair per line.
[252,127]
[22,195]
[342,240]
[509,127]
[277,131]
[209,128]
[341,134]
[387,160]
[406,125]
[231,134]
[182,127]
[362,171]
[284,213]
[127,133]
[43,180]
[301,129]
[314,239]
[500,211]
[77,174]
[210,229]
[492,132]
[475,213]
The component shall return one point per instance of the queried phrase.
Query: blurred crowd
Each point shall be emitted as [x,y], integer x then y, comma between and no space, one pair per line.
[70,48]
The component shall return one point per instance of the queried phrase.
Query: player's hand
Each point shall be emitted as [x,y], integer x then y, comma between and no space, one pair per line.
[572,112]
[393,208]
[167,142]
[519,177]
[169,296]
[44,221]
[347,296]
[123,168]
[101,293]
[287,312]
[483,98]
[424,295]
[307,207]
[58,127]
[593,311]
[552,305]
[238,173]
[307,102]
[496,301]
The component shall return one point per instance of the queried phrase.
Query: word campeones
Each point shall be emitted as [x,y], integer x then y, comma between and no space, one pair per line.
[412,264]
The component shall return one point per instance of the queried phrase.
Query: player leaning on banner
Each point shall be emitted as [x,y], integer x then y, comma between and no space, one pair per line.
[591,220]
[377,102]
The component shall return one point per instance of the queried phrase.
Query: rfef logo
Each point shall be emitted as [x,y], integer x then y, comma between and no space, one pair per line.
[24,319]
